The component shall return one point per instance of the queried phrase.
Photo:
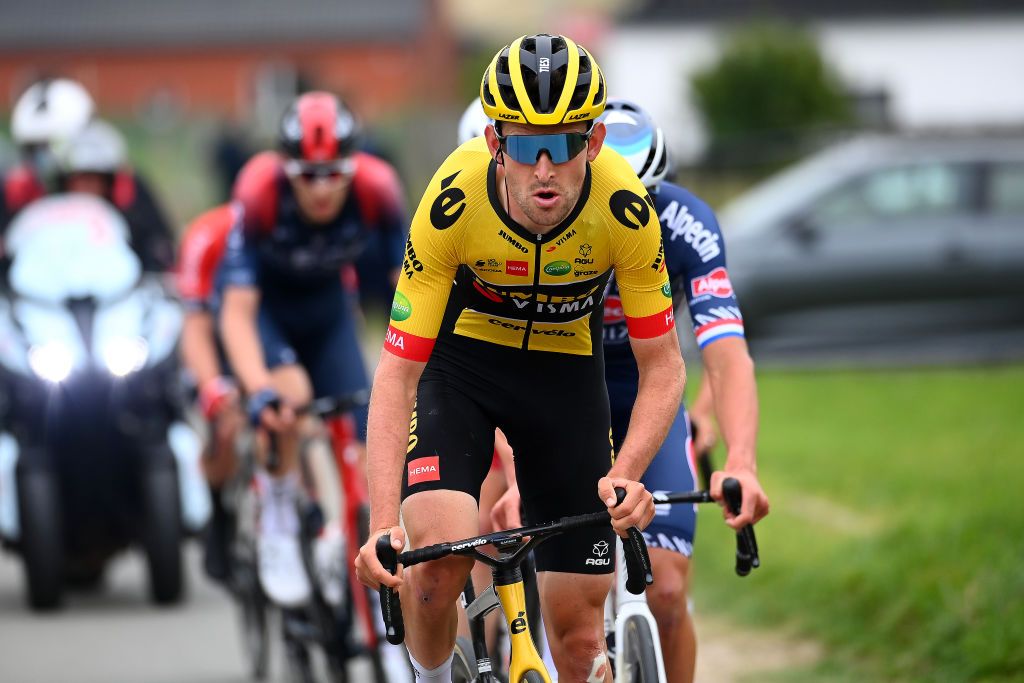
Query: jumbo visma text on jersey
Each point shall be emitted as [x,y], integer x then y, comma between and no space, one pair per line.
[512,288]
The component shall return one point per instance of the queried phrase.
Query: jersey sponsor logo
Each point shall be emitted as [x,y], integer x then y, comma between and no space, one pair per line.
[513,241]
[600,552]
[395,338]
[518,268]
[411,264]
[613,312]
[566,237]
[678,220]
[558,268]
[448,206]
[666,289]
[550,249]
[424,469]
[629,209]
[401,307]
[488,265]
[585,249]
[583,261]
[715,283]
[533,330]
[659,261]
[583,273]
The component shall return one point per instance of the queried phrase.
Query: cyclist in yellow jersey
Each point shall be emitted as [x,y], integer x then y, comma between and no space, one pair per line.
[493,325]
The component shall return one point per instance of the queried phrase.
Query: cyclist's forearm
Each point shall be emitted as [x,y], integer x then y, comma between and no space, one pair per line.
[662,378]
[730,372]
[388,436]
[198,350]
[243,347]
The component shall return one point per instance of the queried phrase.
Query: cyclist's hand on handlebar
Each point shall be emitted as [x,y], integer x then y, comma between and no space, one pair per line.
[755,502]
[636,509]
[369,569]
[505,513]
[267,410]
[704,431]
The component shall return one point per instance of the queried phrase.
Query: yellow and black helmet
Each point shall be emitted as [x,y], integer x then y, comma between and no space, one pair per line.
[544,80]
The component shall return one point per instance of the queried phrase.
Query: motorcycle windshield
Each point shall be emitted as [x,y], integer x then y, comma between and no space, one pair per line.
[71,247]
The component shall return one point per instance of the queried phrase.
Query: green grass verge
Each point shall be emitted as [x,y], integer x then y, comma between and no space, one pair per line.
[896,537]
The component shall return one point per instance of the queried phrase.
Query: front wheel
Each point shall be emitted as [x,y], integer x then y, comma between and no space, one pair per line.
[464,669]
[161,535]
[639,661]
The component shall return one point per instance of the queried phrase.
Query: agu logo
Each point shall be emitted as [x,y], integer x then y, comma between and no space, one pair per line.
[600,558]
[715,283]
[424,469]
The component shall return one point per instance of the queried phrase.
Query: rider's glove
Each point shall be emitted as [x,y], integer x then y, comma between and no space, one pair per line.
[215,394]
[264,398]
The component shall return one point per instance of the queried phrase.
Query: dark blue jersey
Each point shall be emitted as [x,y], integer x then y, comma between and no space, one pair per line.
[695,259]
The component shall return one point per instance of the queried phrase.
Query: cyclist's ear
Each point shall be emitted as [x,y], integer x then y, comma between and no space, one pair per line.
[596,140]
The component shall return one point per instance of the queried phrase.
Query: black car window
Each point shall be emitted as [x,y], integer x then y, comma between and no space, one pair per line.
[893,194]
[1007,188]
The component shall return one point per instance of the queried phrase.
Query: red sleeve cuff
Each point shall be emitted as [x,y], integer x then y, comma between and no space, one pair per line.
[408,346]
[651,326]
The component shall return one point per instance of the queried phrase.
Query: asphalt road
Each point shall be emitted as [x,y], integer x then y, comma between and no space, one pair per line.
[115,635]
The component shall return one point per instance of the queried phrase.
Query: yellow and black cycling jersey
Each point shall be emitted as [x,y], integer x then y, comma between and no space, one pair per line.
[518,289]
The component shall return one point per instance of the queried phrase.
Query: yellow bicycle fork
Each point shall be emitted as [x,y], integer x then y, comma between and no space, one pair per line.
[524,657]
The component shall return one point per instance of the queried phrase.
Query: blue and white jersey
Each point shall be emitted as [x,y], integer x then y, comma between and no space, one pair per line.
[694,254]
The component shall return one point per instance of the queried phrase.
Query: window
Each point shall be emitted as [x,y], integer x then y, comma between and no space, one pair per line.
[893,194]
[1007,191]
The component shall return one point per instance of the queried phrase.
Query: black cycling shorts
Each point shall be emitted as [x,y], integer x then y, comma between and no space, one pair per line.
[553,407]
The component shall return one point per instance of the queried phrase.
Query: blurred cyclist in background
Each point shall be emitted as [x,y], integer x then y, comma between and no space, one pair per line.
[289,321]
[47,113]
[94,161]
[202,249]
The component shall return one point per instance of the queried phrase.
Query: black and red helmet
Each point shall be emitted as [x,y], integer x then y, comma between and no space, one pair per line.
[318,127]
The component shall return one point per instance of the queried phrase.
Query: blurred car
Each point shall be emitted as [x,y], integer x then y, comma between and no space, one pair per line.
[884,237]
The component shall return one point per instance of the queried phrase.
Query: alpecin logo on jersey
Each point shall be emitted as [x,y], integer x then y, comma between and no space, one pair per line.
[448,206]
[613,312]
[424,469]
[715,283]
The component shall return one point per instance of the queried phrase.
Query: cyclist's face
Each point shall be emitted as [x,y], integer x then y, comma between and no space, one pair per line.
[320,198]
[543,193]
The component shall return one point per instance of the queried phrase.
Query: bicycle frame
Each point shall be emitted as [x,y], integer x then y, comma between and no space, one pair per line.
[623,605]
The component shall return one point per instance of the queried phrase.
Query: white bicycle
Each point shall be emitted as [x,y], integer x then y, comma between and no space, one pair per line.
[636,645]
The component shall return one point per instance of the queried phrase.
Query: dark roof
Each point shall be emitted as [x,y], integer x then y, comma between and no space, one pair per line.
[41,24]
[652,11]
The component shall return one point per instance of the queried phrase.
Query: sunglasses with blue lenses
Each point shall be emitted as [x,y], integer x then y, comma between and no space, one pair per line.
[561,147]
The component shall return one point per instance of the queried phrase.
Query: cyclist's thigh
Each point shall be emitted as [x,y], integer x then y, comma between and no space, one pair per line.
[562,448]
[335,362]
[672,469]
[277,350]
[451,442]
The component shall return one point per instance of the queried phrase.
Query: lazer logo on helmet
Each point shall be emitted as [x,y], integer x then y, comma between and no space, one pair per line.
[508,117]
[577,117]
[715,283]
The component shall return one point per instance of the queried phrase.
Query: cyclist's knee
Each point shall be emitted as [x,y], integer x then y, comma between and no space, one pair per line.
[435,586]
[668,596]
[583,656]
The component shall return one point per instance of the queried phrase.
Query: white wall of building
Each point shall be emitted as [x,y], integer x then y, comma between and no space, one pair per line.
[955,73]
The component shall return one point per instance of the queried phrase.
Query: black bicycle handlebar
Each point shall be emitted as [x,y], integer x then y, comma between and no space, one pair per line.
[638,563]
[746,542]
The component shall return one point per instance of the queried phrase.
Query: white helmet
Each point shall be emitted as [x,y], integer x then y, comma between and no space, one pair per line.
[50,110]
[97,148]
[473,121]
[633,134]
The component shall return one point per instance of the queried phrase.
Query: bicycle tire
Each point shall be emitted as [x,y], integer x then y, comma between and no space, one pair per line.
[640,662]
[531,677]
[464,668]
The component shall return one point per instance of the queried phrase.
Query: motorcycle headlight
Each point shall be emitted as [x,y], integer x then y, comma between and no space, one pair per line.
[125,355]
[51,361]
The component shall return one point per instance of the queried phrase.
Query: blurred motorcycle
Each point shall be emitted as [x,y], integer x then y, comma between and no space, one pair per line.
[94,456]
